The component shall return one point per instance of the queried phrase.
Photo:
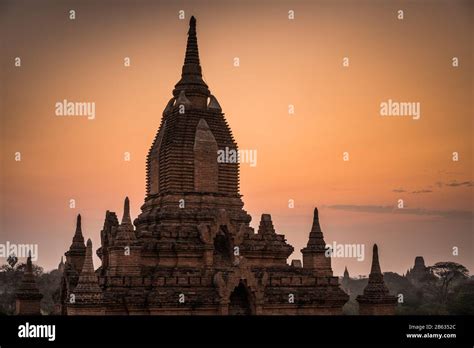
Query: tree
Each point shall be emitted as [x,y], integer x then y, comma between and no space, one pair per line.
[462,302]
[37,270]
[12,260]
[445,275]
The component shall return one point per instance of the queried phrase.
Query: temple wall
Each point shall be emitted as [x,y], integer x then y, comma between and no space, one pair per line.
[377,309]
[76,310]
[319,262]
[27,307]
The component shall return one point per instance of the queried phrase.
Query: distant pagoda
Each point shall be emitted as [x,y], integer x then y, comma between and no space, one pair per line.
[419,271]
[61,265]
[345,283]
[28,297]
[376,299]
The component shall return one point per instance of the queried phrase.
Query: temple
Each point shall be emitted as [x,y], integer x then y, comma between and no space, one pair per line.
[191,250]
[376,299]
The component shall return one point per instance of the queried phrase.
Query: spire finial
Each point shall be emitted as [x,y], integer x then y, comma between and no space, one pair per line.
[191,77]
[29,265]
[316,238]
[78,239]
[78,225]
[316,227]
[126,212]
[192,51]
[375,261]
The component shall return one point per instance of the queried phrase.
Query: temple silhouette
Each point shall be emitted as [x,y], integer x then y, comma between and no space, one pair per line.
[191,250]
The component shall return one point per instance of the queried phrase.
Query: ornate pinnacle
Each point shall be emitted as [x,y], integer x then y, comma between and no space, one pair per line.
[78,239]
[375,261]
[192,51]
[191,77]
[316,227]
[126,212]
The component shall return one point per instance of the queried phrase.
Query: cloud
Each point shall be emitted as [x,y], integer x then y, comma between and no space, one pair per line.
[457,184]
[363,208]
[438,184]
[388,209]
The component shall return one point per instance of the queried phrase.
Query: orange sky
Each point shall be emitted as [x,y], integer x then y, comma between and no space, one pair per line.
[283,62]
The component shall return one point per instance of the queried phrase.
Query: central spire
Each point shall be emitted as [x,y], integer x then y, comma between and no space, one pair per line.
[191,78]
[192,51]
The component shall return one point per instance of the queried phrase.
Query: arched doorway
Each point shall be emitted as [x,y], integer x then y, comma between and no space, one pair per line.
[240,302]
[222,247]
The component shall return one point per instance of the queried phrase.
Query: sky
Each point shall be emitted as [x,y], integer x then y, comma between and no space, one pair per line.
[300,156]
